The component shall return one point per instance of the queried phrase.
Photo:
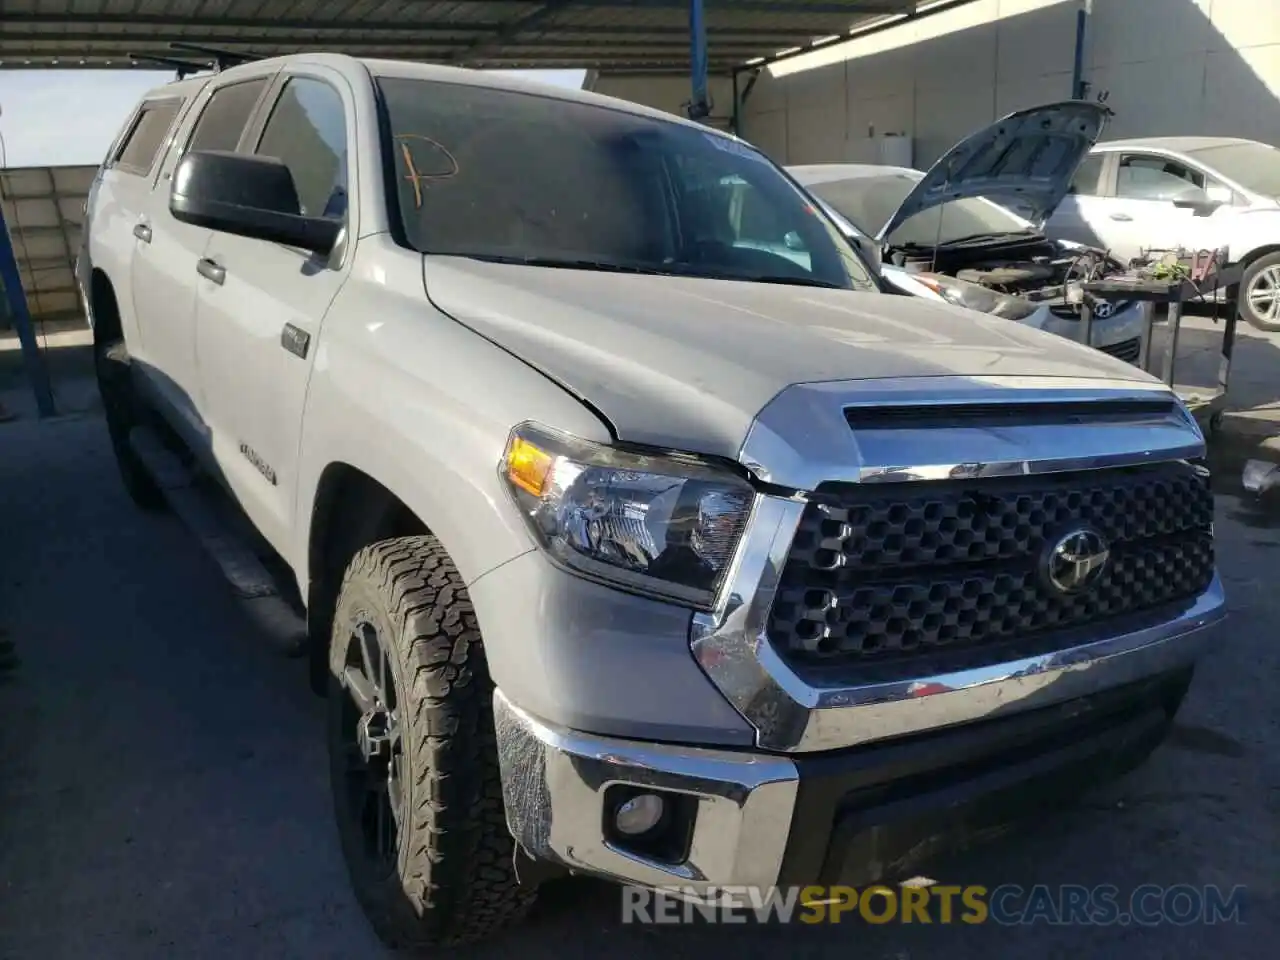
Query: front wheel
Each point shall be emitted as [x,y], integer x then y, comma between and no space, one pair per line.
[413,756]
[1260,293]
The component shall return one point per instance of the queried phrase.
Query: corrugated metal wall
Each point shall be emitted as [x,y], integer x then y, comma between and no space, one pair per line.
[44,209]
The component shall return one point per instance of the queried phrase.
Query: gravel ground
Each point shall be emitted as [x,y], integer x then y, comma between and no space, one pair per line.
[163,788]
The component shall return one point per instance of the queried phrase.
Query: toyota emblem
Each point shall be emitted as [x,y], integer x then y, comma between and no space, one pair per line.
[1076,561]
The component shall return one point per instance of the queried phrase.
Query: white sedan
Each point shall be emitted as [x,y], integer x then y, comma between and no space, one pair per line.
[1198,192]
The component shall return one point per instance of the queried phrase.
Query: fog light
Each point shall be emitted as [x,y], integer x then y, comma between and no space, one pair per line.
[638,815]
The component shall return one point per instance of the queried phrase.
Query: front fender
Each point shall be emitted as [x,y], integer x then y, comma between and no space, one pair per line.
[423,406]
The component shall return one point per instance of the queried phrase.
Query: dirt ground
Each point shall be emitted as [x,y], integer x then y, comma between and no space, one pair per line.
[163,786]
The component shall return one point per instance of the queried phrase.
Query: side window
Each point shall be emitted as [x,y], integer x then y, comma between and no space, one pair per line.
[307,130]
[1085,182]
[140,145]
[1147,177]
[225,116]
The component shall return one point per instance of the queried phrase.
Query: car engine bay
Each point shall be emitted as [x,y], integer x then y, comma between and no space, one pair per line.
[1036,270]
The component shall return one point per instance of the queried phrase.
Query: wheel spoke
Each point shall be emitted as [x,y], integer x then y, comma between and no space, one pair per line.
[384,677]
[370,657]
[362,691]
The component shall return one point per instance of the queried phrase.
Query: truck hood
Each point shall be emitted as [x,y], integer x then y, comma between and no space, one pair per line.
[1025,161]
[687,364]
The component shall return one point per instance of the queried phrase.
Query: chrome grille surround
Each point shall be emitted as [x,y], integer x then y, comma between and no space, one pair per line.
[802,440]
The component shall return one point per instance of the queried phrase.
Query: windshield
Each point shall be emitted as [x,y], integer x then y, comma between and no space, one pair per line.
[1255,166]
[510,176]
[870,202]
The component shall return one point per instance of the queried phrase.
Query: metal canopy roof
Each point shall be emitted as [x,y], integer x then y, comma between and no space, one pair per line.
[613,35]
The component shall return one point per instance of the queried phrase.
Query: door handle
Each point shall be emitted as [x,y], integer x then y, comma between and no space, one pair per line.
[142,232]
[211,271]
[1121,216]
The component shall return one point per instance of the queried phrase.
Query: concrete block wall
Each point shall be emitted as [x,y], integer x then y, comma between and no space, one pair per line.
[1170,66]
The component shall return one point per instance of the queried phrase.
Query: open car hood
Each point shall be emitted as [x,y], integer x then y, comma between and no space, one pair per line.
[1024,161]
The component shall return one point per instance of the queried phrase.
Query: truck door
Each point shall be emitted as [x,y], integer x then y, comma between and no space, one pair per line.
[258,324]
[120,195]
[164,278]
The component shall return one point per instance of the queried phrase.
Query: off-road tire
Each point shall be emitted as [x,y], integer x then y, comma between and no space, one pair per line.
[124,411]
[1270,261]
[456,881]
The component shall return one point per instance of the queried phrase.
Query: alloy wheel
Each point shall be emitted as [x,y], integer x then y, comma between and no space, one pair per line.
[373,746]
[1263,295]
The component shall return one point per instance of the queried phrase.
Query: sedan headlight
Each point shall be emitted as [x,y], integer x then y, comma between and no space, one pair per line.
[975,297]
[664,525]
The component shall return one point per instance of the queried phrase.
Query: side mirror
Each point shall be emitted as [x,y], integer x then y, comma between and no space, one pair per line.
[248,196]
[792,241]
[1202,207]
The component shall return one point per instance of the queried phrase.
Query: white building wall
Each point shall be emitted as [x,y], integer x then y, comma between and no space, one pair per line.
[669,93]
[1170,67]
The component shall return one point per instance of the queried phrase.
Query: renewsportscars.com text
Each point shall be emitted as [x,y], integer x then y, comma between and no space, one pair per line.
[1005,905]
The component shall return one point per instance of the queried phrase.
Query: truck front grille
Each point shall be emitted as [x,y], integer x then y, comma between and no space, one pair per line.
[878,571]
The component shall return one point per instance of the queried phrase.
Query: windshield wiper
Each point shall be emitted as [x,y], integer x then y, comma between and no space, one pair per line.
[664,270]
[772,278]
[568,263]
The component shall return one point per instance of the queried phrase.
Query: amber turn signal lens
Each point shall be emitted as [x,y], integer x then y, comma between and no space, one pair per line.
[527,466]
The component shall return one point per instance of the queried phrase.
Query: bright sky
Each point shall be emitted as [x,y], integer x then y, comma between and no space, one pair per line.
[69,117]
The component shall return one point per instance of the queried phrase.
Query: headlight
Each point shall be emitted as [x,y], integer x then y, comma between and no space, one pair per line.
[664,525]
[975,297]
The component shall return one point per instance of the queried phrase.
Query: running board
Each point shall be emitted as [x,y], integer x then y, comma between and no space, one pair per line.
[209,517]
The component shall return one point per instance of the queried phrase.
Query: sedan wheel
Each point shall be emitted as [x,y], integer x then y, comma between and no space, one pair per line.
[1260,293]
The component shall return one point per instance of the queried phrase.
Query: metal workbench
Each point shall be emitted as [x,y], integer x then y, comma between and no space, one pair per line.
[1220,287]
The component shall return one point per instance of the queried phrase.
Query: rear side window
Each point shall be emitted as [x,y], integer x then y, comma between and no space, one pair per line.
[141,144]
[225,116]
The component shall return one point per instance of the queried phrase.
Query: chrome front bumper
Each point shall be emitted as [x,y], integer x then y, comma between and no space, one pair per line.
[555,780]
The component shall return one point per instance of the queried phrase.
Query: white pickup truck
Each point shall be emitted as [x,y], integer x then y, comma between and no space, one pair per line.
[628,547]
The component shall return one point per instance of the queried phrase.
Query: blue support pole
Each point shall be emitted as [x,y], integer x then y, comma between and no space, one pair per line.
[1077,72]
[699,105]
[11,280]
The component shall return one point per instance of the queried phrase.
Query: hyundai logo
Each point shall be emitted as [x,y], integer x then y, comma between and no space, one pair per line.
[1076,560]
[1102,310]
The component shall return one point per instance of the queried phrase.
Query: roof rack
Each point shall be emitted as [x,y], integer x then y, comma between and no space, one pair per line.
[184,68]
[218,61]
[222,59]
